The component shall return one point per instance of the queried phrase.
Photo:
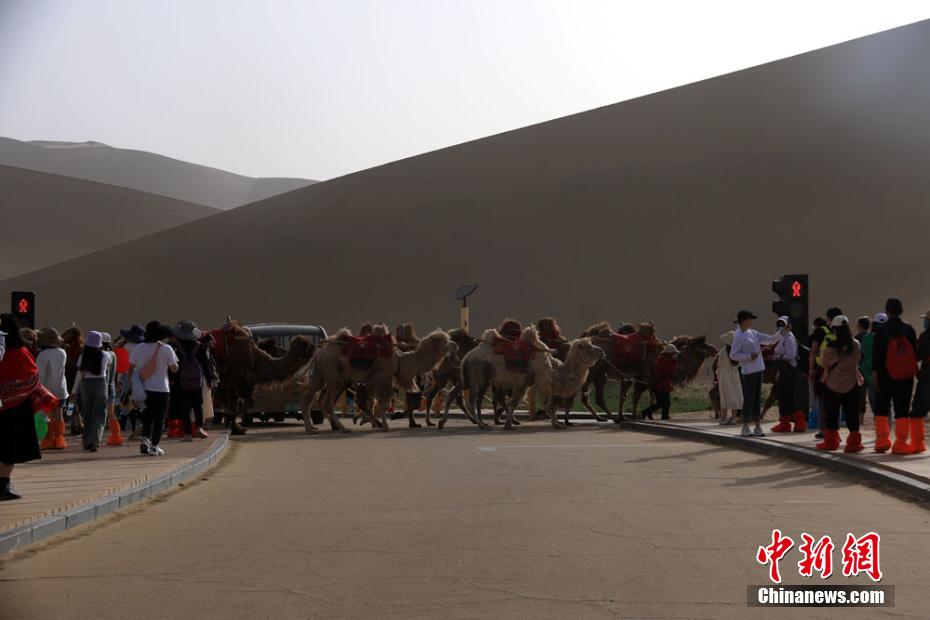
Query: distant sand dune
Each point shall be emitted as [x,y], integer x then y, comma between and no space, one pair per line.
[678,207]
[147,172]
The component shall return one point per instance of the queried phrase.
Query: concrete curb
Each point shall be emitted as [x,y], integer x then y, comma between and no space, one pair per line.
[55,524]
[911,485]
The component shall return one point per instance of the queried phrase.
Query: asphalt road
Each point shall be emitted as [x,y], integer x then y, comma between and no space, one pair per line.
[533,523]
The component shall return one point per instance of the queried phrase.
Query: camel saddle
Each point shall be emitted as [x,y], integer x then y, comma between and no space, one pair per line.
[516,353]
[364,350]
[632,348]
[224,338]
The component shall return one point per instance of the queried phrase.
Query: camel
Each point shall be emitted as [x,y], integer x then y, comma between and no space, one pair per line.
[487,367]
[449,370]
[554,379]
[693,351]
[551,335]
[332,370]
[242,365]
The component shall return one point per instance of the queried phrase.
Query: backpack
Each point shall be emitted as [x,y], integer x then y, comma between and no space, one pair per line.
[190,374]
[900,359]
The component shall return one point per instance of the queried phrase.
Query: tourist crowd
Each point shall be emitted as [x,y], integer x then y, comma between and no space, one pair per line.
[133,383]
[837,378]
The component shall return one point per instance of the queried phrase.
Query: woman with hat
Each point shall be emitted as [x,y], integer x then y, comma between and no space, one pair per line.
[153,358]
[51,364]
[747,351]
[90,384]
[662,375]
[130,338]
[21,395]
[728,382]
[841,379]
[194,367]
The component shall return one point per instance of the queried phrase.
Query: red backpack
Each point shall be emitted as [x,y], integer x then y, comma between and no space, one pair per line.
[900,359]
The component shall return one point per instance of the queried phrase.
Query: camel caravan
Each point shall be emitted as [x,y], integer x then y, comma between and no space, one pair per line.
[503,365]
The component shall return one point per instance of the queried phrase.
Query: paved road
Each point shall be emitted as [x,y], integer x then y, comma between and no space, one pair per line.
[461,524]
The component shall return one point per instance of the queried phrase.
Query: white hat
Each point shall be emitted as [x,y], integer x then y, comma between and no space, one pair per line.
[670,348]
[106,337]
[880,318]
[93,340]
[783,319]
[727,337]
[839,320]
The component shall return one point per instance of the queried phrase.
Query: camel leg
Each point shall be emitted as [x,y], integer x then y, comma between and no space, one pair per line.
[638,389]
[625,386]
[306,402]
[429,395]
[328,404]
[413,401]
[567,402]
[473,405]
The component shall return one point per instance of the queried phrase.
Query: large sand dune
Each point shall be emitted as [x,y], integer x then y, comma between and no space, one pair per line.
[147,172]
[49,218]
[678,207]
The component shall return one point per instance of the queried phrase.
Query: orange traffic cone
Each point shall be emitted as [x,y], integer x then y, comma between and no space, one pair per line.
[116,434]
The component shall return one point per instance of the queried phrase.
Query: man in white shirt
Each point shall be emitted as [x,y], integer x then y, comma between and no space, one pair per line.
[747,351]
[155,356]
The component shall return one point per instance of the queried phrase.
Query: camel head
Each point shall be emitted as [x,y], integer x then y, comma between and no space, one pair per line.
[407,333]
[693,350]
[530,335]
[465,341]
[435,347]
[584,353]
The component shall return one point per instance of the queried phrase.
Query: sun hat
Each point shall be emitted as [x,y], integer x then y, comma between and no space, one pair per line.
[49,337]
[186,330]
[155,331]
[839,320]
[670,348]
[29,335]
[134,334]
[880,318]
[727,337]
[106,337]
[94,340]
[742,315]
[783,319]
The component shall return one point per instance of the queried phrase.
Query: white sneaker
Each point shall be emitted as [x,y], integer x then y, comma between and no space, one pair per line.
[745,432]
[156,451]
[757,432]
[144,445]
[202,433]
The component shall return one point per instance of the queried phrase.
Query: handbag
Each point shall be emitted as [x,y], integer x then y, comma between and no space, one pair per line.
[137,394]
[149,369]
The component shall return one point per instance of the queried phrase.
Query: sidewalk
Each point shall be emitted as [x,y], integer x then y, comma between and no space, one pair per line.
[70,487]
[909,474]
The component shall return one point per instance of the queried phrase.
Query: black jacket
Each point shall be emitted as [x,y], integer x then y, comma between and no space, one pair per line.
[894,328]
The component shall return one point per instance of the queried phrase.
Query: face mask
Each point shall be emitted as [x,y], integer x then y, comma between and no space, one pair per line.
[780,329]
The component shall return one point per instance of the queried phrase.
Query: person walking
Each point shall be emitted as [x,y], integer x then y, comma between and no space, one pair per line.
[90,385]
[51,364]
[74,344]
[154,359]
[747,351]
[194,369]
[21,395]
[663,375]
[785,358]
[866,391]
[841,381]
[131,337]
[921,404]
[728,382]
[894,365]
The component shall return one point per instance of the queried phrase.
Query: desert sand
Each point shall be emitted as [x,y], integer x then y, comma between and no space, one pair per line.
[143,171]
[679,207]
[56,218]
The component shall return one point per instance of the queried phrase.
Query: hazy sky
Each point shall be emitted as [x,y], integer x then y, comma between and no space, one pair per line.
[319,89]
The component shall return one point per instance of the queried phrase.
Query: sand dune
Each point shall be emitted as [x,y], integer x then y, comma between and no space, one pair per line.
[143,171]
[678,207]
[56,218]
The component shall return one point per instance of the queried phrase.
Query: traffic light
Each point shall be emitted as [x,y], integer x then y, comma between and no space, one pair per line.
[23,308]
[793,301]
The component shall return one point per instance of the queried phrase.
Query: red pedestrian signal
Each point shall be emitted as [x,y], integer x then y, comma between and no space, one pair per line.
[23,308]
[792,292]
[795,289]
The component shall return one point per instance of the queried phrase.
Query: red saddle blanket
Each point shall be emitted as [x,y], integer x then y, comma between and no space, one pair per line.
[516,353]
[363,350]
[632,348]
[551,338]
[223,340]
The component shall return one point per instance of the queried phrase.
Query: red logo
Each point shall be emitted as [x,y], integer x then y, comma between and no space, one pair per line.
[817,557]
[773,553]
[22,306]
[860,555]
